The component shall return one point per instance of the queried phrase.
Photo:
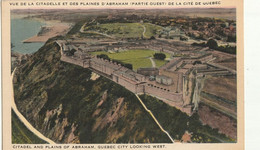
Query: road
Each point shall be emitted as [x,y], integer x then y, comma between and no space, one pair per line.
[24,120]
[150,112]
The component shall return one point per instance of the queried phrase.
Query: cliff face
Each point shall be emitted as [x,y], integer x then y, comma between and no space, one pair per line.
[62,102]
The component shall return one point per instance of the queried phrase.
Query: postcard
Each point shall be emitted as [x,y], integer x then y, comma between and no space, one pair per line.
[124,74]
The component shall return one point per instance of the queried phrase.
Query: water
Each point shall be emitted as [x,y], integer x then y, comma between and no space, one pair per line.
[22,29]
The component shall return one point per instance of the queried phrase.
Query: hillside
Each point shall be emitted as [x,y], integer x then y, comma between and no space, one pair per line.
[21,134]
[61,101]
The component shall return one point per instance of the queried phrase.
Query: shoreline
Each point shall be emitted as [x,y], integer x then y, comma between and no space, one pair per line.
[47,32]
[51,28]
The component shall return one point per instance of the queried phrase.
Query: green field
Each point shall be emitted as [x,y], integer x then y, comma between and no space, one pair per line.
[125,30]
[151,30]
[139,58]
[21,135]
[159,63]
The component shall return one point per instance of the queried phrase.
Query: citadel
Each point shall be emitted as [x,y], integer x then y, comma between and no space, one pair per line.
[177,83]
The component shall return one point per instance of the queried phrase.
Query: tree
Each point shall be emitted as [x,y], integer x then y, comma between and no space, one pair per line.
[129,66]
[160,56]
[231,38]
[72,51]
[212,44]
[104,56]
[152,38]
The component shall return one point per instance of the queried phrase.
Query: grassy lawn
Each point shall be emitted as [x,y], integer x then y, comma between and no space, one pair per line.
[159,63]
[138,58]
[151,29]
[21,135]
[125,30]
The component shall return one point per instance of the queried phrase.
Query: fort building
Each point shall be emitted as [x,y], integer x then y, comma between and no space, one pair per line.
[171,83]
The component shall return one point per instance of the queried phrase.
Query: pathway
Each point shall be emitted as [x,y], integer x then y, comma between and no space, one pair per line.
[24,120]
[150,112]
[144,31]
[152,61]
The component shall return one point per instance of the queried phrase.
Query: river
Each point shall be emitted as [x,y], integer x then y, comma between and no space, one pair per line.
[22,29]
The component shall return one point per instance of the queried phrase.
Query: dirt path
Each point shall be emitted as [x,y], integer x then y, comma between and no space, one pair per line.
[152,61]
[150,112]
[144,30]
[24,120]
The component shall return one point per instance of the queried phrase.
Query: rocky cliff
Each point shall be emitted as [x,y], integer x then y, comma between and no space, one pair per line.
[66,105]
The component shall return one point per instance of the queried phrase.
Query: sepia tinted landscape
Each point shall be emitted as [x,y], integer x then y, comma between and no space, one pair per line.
[124,75]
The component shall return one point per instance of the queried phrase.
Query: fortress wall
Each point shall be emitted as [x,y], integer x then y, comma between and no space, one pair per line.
[187,89]
[178,64]
[187,109]
[222,72]
[172,63]
[128,85]
[96,66]
[140,77]
[161,93]
[172,99]
[106,62]
[101,67]
[148,72]
[86,63]
[189,71]
[140,89]
[222,67]
[145,46]
[72,60]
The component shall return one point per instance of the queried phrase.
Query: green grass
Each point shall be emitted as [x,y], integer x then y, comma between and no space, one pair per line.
[151,29]
[138,58]
[159,63]
[125,30]
[21,135]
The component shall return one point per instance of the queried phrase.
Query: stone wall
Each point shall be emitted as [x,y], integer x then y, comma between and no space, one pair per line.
[162,93]
[128,84]
[148,71]
[103,65]
[72,60]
